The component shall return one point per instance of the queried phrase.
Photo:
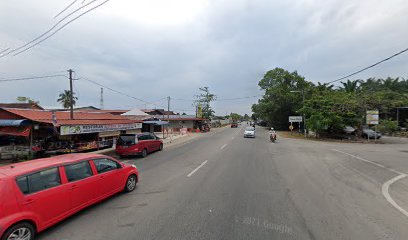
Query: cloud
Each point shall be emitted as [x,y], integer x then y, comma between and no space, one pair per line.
[154,49]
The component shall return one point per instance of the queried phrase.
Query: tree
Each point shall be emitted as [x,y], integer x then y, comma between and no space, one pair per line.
[204,99]
[330,111]
[65,99]
[235,116]
[350,86]
[22,99]
[279,100]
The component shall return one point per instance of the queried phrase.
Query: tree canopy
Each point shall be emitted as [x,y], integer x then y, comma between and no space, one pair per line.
[327,109]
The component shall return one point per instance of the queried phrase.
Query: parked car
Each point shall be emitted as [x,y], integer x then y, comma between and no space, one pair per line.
[40,193]
[138,144]
[249,132]
[368,133]
[234,125]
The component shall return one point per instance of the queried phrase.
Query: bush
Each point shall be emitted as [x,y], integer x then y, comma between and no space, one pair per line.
[388,126]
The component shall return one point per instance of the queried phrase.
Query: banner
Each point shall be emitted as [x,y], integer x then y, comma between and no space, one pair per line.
[80,129]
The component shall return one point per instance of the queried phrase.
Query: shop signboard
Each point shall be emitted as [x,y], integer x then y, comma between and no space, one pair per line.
[372,117]
[95,128]
[295,119]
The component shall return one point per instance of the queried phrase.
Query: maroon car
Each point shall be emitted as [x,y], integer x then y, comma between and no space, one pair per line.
[138,144]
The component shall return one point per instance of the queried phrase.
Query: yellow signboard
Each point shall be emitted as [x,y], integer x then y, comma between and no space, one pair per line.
[199,111]
[372,117]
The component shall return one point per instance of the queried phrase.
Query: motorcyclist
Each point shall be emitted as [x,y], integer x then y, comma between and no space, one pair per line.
[272,134]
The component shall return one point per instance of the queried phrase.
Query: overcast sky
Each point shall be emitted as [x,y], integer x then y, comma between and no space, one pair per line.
[157,48]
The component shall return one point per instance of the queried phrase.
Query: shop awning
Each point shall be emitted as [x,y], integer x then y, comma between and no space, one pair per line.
[14,122]
[156,122]
[15,131]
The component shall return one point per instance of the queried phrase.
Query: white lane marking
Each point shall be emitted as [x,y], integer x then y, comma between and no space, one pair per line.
[223,146]
[385,192]
[368,161]
[232,137]
[385,187]
[195,170]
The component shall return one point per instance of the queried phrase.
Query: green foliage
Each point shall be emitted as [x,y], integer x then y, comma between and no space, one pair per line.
[350,86]
[235,116]
[65,99]
[279,102]
[388,126]
[328,110]
[22,99]
[205,98]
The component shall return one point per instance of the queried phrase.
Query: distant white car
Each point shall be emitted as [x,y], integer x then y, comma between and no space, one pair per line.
[249,132]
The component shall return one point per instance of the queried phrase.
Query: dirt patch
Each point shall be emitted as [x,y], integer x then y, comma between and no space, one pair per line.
[286,134]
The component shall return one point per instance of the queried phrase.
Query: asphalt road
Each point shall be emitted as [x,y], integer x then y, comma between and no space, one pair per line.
[222,186]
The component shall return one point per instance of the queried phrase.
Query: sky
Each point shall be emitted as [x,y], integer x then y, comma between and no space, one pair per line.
[153,49]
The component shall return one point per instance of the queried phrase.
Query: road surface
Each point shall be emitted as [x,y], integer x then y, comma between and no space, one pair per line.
[222,186]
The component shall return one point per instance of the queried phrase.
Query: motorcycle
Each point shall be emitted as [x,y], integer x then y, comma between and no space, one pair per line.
[272,137]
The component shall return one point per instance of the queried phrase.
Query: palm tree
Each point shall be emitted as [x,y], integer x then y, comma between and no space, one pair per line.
[371,84]
[350,86]
[22,99]
[390,83]
[65,99]
[324,86]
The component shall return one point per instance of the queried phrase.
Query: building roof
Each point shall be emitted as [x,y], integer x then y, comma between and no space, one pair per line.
[179,117]
[157,112]
[21,105]
[135,112]
[21,168]
[63,117]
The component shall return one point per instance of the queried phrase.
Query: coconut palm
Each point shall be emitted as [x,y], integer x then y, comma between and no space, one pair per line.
[65,99]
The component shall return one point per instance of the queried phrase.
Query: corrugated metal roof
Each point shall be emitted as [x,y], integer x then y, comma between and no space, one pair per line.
[63,117]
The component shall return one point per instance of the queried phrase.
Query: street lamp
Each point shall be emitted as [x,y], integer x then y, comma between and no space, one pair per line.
[303,102]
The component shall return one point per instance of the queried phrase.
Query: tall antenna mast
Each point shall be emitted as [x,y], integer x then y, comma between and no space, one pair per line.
[101,103]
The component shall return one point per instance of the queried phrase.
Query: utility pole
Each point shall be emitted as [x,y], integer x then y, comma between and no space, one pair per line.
[101,103]
[71,97]
[304,116]
[168,114]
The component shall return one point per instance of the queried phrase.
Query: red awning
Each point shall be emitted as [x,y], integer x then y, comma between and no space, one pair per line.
[16,131]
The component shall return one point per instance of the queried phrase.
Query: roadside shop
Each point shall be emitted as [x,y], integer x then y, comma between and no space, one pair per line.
[26,133]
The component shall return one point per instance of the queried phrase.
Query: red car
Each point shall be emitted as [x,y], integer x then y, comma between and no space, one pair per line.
[138,144]
[40,193]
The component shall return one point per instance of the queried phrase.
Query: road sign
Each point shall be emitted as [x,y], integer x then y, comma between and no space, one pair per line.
[295,119]
[372,117]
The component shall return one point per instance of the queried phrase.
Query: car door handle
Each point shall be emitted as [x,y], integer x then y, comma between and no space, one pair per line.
[74,186]
[102,177]
[29,201]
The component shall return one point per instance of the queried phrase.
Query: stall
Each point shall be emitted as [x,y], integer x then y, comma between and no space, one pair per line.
[27,133]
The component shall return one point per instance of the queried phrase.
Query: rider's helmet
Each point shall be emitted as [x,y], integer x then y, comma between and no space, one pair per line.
[271,129]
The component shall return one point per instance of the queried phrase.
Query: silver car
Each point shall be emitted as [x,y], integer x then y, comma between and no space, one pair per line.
[249,132]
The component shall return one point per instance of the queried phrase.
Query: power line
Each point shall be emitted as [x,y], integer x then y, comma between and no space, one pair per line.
[30,78]
[53,27]
[373,65]
[116,91]
[5,50]
[230,99]
[63,10]
[218,99]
